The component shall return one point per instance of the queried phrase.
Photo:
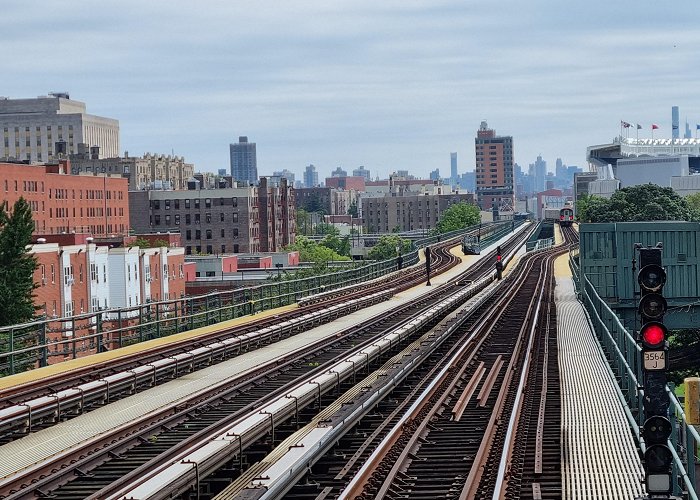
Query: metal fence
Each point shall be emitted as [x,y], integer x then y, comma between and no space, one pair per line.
[625,362]
[49,341]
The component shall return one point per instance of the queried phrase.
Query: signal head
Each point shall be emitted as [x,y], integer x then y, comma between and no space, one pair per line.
[652,277]
[652,306]
[656,430]
[653,335]
[658,458]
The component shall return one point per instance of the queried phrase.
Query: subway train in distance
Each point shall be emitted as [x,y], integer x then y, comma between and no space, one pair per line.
[566,215]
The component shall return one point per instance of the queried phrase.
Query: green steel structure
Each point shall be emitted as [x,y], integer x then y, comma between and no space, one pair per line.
[618,342]
[606,258]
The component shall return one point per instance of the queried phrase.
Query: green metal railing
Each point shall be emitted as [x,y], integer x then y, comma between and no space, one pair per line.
[48,341]
[623,354]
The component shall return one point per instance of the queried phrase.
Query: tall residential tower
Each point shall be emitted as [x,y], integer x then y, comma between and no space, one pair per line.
[494,170]
[244,163]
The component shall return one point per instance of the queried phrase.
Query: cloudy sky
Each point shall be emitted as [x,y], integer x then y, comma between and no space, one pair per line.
[391,84]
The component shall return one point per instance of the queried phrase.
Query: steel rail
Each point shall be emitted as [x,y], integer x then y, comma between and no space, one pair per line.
[362,476]
[471,486]
[507,449]
[480,336]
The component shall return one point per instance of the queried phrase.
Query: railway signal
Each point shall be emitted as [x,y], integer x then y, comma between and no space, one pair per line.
[499,263]
[653,336]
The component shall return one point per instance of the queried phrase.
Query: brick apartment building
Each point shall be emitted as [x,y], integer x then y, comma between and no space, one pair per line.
[65,203]
[407,213]
[227,220]
[495,180]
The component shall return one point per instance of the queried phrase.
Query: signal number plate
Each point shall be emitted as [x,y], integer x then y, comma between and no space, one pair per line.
[654,360]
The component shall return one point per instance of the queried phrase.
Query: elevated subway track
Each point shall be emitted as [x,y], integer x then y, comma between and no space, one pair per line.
[91,455]
[41,402]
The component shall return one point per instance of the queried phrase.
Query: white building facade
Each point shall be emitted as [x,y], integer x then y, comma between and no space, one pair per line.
[31,128]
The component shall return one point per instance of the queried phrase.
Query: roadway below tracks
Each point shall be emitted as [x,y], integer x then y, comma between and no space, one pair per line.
[320,405]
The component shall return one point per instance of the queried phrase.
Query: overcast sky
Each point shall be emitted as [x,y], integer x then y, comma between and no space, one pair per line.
[390,84]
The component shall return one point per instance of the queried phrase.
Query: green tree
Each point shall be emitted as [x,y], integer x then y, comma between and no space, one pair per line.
[310,251]
[387,245]
[693,201]
[144,243]
[17,266]
[644,202]
[303,221]
[458,216]
[340,245]
[327,229]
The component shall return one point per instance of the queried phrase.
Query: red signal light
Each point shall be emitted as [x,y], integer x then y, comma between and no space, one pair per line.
[571,217]
[498,258]
[561,217]
[653,335]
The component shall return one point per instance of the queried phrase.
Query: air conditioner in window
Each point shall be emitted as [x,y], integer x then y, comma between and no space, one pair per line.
[69,281]
[43,281]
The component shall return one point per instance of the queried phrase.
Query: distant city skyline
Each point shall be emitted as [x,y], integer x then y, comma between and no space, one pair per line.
[391,86]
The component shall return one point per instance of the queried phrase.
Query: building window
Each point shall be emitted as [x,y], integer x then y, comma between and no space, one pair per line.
[234,201]
[177,204]
[187,203]
[208,218]
[223,233]
[198,234]
[167,220]
[157,220]
[167,204]
[209,234]
[221,215]
[223,248]
[177,219]
[188,234]
[235,217]
[235,248]
[196,203]
[188,219]
[207,203]
[235,232]
[210,249]
[196,218]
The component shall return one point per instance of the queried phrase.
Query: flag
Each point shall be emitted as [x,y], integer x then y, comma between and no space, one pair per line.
[639,127]
[654,127]
[624,124]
